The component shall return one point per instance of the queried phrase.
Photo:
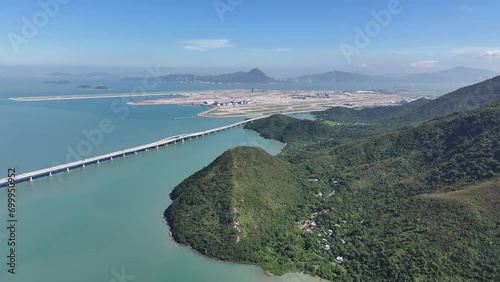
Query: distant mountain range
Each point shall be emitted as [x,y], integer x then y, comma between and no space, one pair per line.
[341,76]
[457,74]
[253,76]
[453,75]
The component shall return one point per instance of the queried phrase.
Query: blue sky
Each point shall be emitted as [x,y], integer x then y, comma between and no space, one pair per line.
[284,37]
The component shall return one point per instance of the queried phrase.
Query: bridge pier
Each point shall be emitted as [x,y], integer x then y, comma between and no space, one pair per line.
[165,142]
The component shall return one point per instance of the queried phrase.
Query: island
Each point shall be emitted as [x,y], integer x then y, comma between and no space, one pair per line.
[84,86]
[406,193]
[254,102]
[61,82]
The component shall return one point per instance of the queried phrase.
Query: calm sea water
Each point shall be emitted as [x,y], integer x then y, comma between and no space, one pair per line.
[102,222]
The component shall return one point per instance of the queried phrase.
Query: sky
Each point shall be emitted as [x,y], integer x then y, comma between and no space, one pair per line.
[282,37]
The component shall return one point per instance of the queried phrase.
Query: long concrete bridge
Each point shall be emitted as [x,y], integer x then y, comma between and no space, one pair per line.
[30,176]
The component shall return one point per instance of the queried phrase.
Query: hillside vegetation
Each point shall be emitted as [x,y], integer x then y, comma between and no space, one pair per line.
[241,203]
[466,98]
[354,203]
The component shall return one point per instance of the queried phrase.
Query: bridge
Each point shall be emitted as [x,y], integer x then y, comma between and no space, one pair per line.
[30,176]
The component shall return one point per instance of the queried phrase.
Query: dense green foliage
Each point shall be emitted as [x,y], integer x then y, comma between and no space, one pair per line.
[237,206]
[416,204]
[466,98]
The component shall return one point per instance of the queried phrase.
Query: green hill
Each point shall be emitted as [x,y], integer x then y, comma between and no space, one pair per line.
[417,204]
[238,205]
[467,98]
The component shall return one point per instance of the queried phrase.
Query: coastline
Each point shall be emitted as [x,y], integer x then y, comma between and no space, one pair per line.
[88,96]
[264,271]
[207,114]
[245,103]
[230,103]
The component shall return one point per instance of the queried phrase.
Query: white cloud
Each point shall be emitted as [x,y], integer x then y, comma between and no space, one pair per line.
[423,64]
[491,54]
[363,65]
[206,44]
[268,50]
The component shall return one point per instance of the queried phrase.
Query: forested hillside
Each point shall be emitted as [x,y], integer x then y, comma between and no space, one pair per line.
[467,98]
[418,204]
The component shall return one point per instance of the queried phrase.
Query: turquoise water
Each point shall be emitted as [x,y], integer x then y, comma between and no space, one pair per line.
[35,87]
[92,224]
[104,221]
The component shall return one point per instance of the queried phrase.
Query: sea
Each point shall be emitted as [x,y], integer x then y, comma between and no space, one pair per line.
[104,222]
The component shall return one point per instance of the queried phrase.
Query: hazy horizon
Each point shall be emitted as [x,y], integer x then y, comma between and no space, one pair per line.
[283,40]
[122,72]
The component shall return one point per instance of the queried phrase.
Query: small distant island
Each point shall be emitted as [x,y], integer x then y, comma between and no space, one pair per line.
[58,82]
[85,86]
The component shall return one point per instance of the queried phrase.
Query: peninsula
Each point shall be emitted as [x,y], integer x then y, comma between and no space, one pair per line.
[407,193]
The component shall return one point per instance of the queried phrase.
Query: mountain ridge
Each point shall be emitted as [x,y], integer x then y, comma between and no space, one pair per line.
[255,75]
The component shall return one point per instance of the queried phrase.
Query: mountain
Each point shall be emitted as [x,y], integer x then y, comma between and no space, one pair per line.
[418,204]
[357,201]
[253,76]
[227,209]
[466,98]
[340,76]
[453,75]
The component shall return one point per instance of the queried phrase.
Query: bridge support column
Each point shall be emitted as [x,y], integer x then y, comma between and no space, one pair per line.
[111,158]
[83,165]
[67,169]
[50,173]
[31,179]
[135,152]
[146,149]
[98,162]
[123,155]
[157,147]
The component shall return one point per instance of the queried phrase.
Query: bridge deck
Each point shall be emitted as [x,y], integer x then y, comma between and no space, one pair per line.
[68,166]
